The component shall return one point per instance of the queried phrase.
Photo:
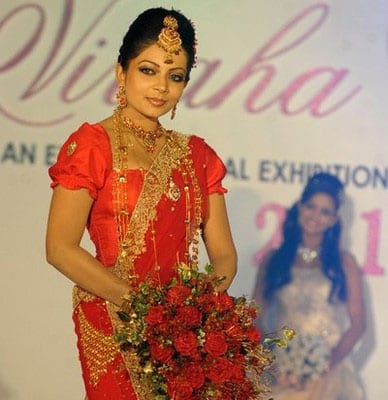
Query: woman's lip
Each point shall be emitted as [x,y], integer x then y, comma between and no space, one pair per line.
[312,225]
[156,102]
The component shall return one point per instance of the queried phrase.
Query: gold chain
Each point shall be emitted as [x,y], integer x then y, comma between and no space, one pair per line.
[175,155]
[147,137]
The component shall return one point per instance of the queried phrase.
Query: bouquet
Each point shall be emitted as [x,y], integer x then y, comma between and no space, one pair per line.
[302,361]
[192,343]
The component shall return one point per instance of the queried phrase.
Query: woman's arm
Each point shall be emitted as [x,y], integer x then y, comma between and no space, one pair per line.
[355,307]
[218,241]
[69,211]
[258,290]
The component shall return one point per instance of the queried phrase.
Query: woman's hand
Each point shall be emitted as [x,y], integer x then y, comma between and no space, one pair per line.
[219,243]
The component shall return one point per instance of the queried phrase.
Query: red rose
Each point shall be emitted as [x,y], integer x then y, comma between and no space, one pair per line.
[156,315]
[215,344]
[239,359]
[253,312]
[188,316]
[186,343]
[206,301]
[179,388]
[161,353]
[224,302]
[253,334]
[194,374]
[246,390]
[164,328]
[178,294]
[219,371]
[237,374]
[233,329]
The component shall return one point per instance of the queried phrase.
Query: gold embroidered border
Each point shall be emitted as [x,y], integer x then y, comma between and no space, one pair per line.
[79,295]
[155,183]
[175,154]
[99,349]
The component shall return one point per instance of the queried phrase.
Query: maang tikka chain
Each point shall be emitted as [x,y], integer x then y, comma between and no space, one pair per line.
[169,39]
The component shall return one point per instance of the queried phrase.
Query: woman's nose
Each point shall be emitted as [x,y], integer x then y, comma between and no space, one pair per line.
[316,215]
[162,85]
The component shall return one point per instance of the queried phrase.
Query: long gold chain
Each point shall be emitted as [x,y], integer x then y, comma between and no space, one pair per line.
[178,155]
[120,167]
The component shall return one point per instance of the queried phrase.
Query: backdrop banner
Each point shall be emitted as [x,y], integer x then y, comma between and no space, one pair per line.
[282,89]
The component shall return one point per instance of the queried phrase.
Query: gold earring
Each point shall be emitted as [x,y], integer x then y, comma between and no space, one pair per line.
[121,97]
[173,111]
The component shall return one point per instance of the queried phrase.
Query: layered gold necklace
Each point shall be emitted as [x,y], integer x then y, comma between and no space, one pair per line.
[146,137]
[158,180]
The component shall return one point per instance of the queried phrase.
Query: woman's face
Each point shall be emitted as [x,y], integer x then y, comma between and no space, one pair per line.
[152,86]
[317,214]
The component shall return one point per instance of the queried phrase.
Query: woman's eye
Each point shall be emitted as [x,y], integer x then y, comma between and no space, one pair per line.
[327,213]
[177,77]
[147,70]
[308,206]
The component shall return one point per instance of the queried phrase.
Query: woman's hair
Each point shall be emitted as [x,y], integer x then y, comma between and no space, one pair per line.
[144,31]
[278,267]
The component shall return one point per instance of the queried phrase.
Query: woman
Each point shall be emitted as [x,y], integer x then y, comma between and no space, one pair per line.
[312,286]
[144,193]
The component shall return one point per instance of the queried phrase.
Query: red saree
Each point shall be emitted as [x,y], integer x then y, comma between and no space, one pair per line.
[155,233]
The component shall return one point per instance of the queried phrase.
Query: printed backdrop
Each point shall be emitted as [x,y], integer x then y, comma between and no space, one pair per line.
[282,89]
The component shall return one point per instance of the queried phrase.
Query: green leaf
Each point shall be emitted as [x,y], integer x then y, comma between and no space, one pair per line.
[209,268]
[120,337]
[123,316]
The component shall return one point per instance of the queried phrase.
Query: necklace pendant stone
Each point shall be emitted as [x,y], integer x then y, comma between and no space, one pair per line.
[308,255]
[173,192]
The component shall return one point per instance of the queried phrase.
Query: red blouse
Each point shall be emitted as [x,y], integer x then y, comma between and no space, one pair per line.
[85,161]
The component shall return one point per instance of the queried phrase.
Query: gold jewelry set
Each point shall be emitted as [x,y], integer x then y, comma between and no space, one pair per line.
[146,137]
[132,226]
[121,97]
[170,41]
[174,155]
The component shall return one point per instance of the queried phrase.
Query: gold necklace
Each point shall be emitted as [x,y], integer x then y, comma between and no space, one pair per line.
[147,137]
[308,255]
[176,155]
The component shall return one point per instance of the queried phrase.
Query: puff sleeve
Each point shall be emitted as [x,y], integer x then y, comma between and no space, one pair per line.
[208,160]
[84,160]
[215,171]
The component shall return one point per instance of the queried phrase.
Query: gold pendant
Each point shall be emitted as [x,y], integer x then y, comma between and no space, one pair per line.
[173,192]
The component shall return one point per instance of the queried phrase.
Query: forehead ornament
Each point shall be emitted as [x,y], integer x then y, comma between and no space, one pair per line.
[169,39]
